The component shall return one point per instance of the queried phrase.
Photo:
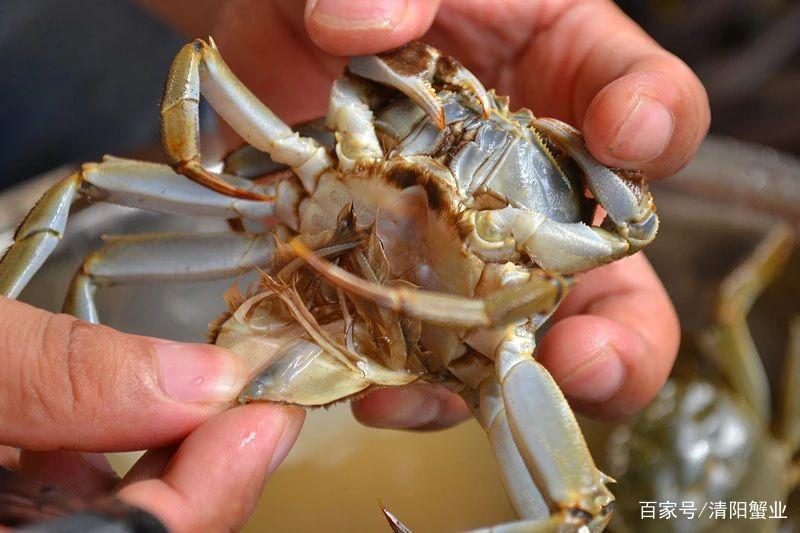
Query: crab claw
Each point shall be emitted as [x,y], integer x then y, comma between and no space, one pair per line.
[409,69]
[623,194]
[452,72]
[413,68]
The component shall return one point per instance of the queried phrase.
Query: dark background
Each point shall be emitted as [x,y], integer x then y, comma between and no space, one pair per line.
[79,79]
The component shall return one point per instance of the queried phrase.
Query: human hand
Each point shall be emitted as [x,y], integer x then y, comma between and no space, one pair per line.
[614,339]
[68,387]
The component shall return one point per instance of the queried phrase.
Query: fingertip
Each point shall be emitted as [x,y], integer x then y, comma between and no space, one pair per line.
[651,120]
[418,406]
[342,27]
[604,369]
[293,419]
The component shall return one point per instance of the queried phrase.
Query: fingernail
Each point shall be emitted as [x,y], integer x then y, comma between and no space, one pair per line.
[347,15]
[199,372]
[645,132]
[294,422]
[597,379]
[418,408]
[99,462]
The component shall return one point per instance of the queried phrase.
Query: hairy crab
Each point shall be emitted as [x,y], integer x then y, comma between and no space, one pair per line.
[709,436]
[427,239]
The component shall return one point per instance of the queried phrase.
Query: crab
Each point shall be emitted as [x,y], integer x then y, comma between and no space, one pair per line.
[421,231]
[709,436]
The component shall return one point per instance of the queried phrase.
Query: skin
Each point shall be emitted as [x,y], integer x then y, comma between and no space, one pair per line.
[78,388]
[612,342]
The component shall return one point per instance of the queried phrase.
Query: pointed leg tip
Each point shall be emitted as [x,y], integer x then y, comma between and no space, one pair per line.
[395,523]
[440,120]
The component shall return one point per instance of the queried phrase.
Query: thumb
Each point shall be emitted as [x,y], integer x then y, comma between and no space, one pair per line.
[67,384]
[343,27]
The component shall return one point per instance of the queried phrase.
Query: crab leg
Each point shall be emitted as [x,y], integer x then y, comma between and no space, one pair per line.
[411,69]
[790,412]
[249,162]
[180,124]
[627,201]
[122,181]
[732,338]
[503,306]
[564,247]
[549,440]
[540,432]
[522,491]
[161,257]
[199,67]
[37,236]
[350,116]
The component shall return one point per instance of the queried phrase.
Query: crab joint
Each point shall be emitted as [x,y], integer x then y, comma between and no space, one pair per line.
[504,306]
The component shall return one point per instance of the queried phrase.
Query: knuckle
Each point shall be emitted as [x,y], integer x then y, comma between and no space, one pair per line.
[62,374]
[73,371]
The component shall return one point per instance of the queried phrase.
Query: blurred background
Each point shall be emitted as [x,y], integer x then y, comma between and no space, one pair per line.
[80,79]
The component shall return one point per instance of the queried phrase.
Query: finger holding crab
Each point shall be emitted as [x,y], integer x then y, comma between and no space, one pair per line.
[587,64]
[72,390]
